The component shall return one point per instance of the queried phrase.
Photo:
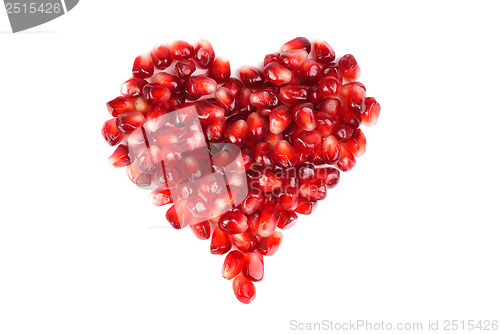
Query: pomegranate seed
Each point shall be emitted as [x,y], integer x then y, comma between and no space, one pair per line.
[356,100]
[270,58]
[347,160]
[343,132]
[181,50]
[257,126]
[289,198]
[128,121]
[293,59]
[277,74]
[305,207]
[221,242]
[209,113]
[253,269]
[201,230]
[139,179]
[357,144]
[268,220]
[308,142]
[220,70]
[200,85]
[156,118]
[215,131]
[233,264]
[172,82]
[372,112]
[133,87]
[279,119]
[243,101]
[331,106]
[184,68]
[268,181]
[287,220]
[224,98]
[160,197]
[237,133]
[349,68]
[293,94]
[331,150]
[253,222]
[332,70]
[234,85]
[328,87]
[262,155]
[323,52]
[304,117]
[244,290]
[172,215]
[297,43]
[204,54]
[120,157]
[314,190]
[285,155]
[305,172]
[273,140]
[252,202]
[143,66]
[310,72]
[111,133]
[349,118]
[119,105]
[325,124]
[161,56]
[251,77]
[245,242]
[264,99]
[233,223]
[328,175]
[155,93]
[269,246]
[313,96]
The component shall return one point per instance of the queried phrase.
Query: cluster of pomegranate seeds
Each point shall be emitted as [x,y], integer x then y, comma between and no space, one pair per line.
[259,149]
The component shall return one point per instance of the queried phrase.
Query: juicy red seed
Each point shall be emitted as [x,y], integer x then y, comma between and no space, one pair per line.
[221,242]
[313,190]
[253,269]
[270,58]
[328,175]
[357,143]
[204,54]
[287,220]
[253,222]
[128,121]
[111,133]
[237,133]
[143,66]
[133,87]
[215,131]
[331,150]
[310,72]
[305,172]
[328,87]
[257,126]
[268,220]
[160,197]
[269,246]
[172,82]
[313,96]
[120,157]
[220,70]
[325,124]
[209,113]
[277,74]
[323,52]
[279,119]
[233,223]
[330,105]
[243,100]
[244,290]
[289,198]
[297,43]
[293,59]
[347,160]
[356,99]
[293,94]
[233,264]
[200,85]
[251,77]
[181,50]
[285,155]
[245,242]
[263,155]
[152,93]
[372,112]
[161,56]
[252,202]
[184,68]
[343,132]
[268,181]
[332,70]
[306,207]
[349,118]
[304,117]
[119,105]
[201,230]
[349,68]
[308,142]
[234,85]
[225,99]
[156,117]
[264,99]
[173,218]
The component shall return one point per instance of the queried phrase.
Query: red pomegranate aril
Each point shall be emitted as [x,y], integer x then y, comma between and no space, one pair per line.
[332,70]
[306,207]
[233,264]
[328,87]
[160,197]
[347,160]
[221,242]
[310,72]
[324,124]
[237,133]
[220,70]
[111,133]
[263,155]
[287,220]
[271,58]
[224,98]
[209,113]
[293,94]
[323,52]
[304,117]
[251,77]
[245,242]
[200,85]
[279,119]
[201,230]
[172,82]
[253,269]
[120,157]
[273,140]
[277,74]
[243,104]
[349,67]
[156,117]
[204,54]
[268,181]
[285,155]
[252,202]
[317,157]
[128,121]
[119,105]
[233,223]
[372,112]
[343,132]
[143,66]
[349,118]
[257,126]
[305,172]
[268,222]
[269,246]
[173,218]
[234,85]
[152,93]
[357,144]
[244,290]
[293,59]
[133,87]
[184,68]
[289,198]
[181,50]
[313,96]
[264,99]
[297,43]
[356,100]
[313,190]
[215,131]
[331,150]
[161,56]
[328,175]
[330,105]
[307,142]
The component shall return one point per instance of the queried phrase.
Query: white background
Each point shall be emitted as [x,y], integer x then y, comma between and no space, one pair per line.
[411,234]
